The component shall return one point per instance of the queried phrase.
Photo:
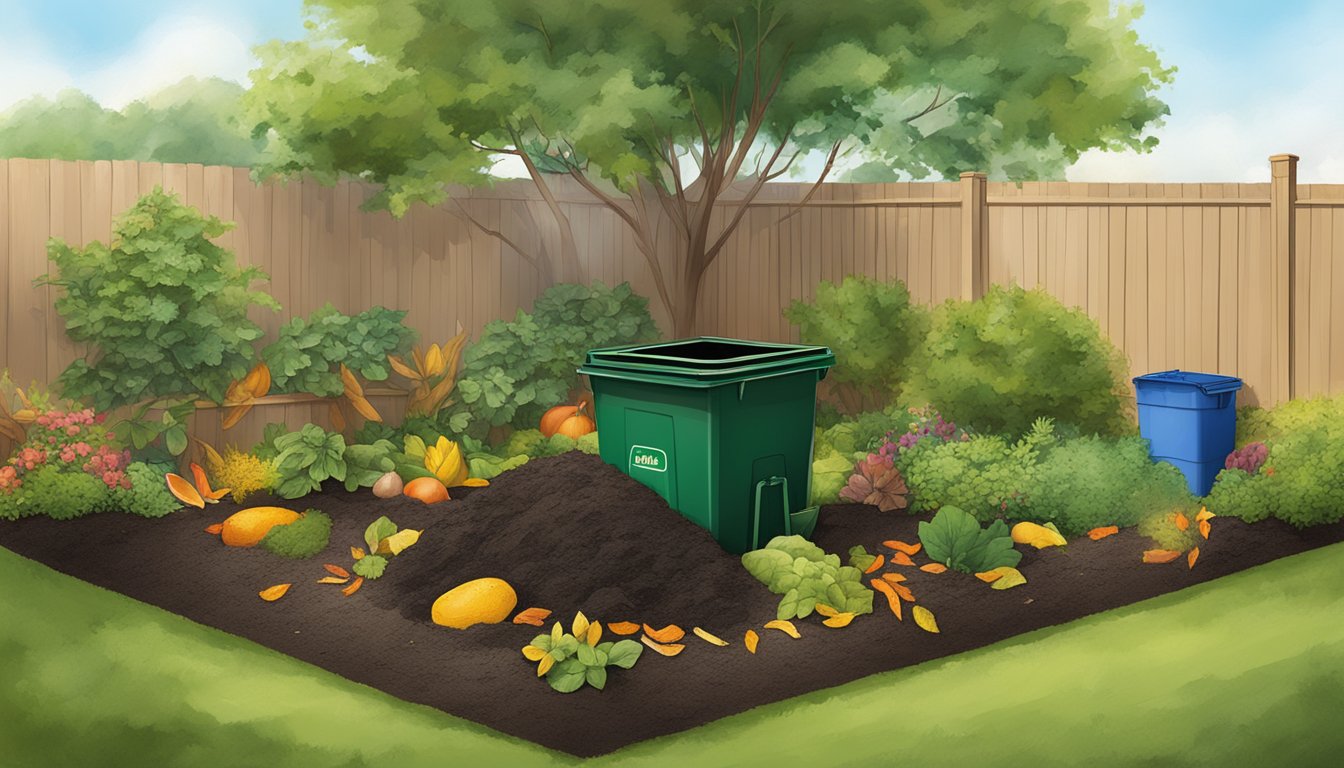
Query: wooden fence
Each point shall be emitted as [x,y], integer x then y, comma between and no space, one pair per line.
[1230,278]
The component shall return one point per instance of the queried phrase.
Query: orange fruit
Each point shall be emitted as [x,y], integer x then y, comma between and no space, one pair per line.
[426,489]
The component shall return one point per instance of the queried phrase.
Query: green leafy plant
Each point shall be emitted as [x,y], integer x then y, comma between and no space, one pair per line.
[1301,482]
[306,458]
[148,496]
[955,539]
[308,352]
[1002,361]
[872,327]
[384,542]
[570,660]
[163,308]
[805,575]
[984,475]
[64,495]
[302,538]
[364,464]
[517,370]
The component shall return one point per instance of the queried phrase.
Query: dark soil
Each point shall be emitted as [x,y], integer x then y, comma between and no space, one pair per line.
[571,533]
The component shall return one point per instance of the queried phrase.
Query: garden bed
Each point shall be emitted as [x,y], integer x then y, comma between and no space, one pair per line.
[571,533]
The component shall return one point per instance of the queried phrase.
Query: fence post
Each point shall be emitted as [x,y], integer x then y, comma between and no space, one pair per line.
[974,236]
[1282,245]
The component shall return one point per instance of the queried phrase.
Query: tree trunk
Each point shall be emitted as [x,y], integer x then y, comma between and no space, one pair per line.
[683,313]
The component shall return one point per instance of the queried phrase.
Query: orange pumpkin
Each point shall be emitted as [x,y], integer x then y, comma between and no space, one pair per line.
[578,424]
[552,419]
[426,489]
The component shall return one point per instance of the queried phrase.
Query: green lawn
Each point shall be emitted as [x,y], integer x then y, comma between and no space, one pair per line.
[1245,671]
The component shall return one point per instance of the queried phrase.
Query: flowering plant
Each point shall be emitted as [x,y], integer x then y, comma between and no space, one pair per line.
[68,439]
[928,422]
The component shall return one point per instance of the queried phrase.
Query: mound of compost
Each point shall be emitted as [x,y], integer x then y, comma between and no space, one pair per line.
[570,533]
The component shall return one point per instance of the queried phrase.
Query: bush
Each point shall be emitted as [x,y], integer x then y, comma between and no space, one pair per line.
[984,475]
[307,355]
[517,370]
[148,495]
[64,495]
[302,538]
[871,327]
[243,473]
[163,307]
[835,449]
[1001,362]
[1302,480]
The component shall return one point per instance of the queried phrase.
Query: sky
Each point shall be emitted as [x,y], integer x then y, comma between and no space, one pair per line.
[1254,77]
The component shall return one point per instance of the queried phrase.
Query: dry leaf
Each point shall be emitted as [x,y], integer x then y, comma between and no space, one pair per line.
[398,542]
[751,639]
[893,601]
[533,653]
[336,570]
[708,637]
[900,558]
[336,415]
[475,482]
[203,485]
[357,553]
[1204,514]
[903,592]
[902,547]
[271,594]
[534,616]
[354,586]
[989,577]
[624,627]
[825,610]
[333,580]
[351,383]
[1160,555]
[924,618]
[184,491]
[1009,577]
[784,626]
[1193,556]
[234,414]
[214,530]
[666,649]
[594,634]
[1204,528]
[933,568]
[895,578]
[545,665]
[839,620]
[669,634]
[580,626]
[877,563]
[1097,534]
[1182,522]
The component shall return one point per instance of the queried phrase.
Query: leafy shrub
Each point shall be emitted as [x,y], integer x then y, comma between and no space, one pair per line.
[163,307]
[984,475]
[63,495]
[306,458]
[805,575]
[14,503]
[1002,361]
[955,539]
[570,660]
[243,473]
[71,441]
[302,538]
[1301,482]
[531,443]
[872,328]
[835,450]
[1264,425]
[307,354]
[364,464]
[147,495]
[926,424]
[518,369]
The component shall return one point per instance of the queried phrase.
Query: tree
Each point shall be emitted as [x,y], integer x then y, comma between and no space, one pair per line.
[668,110]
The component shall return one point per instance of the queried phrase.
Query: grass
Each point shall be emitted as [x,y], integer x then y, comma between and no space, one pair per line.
[1248,670]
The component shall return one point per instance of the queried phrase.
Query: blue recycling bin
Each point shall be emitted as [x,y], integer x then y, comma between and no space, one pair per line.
[1189,420]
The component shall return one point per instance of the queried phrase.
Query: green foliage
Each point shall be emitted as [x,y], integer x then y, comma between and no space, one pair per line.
[871,326]
[307,355]
[986,475]
[517,370]
[148,495]
[370,566]
[1000,362]
[1261,425]
[364,464]
[306,458]
[861,558]
[955,539]
[531,443]
[836,448]
[1302,481]
[63,495]
[164,308]
[805,575]
[14,504]
[575,663]
[302,538]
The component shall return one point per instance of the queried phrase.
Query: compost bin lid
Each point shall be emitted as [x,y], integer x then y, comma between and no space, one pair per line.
[708,360]
[1209,383]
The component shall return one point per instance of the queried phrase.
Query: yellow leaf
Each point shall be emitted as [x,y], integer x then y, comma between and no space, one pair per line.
[1009,577]
[708,637]
[398,542]
[400,367]
[924,618]
[271,594]
[1190,560]
[545,665]
[826,610]
[1204,528]
[784,626]
[594,633]
[1097,534]
[333,580]
[476,482]
[668,649]
[1036,535]
[580,625]
[933,568]
[623,627]
[444,459]
[1204,514]
[751,639]
[434,361]
[357,553]
[365,408]
[533,653]
[839,620]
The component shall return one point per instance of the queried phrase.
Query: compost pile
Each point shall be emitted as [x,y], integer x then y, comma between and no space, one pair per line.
[570,533]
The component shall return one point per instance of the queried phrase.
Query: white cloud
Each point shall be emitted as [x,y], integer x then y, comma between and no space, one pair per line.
[28,67]
[170,50]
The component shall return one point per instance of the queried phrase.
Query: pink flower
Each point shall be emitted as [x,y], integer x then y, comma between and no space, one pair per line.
[72,430]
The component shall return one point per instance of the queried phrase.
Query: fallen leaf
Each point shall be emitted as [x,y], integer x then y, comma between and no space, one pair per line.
[1182,522]
[545,665]
[203,485]
[1204,528]
[893,578]
[534,616]
[184,491]
[924,618]
[893,601]
[624,627]
[1009,577]
[271,594]
[989,577]
[903,592]
[902,547]
[666,649]
[1038,536]
[784,626]
[1097,534]
[900,558]
[751,639]
[398,542]
[354,586]
[826,610]
[669,634]
[712,639]
[839,620]
[357,553]
[1204,514]
[333,580]
[933,568]
[475,482]
[533,653]
[336,570]
[1192,557]
[877,563]
[1160,555]
[214,530]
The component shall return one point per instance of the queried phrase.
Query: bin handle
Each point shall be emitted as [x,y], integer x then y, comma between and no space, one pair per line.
[761,485]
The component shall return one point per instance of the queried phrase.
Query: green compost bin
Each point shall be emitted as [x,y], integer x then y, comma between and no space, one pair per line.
[720,428]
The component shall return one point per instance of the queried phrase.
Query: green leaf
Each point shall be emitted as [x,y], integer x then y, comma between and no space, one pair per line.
[370,566]
[596,677]
[567,676]
[175,439]
[624,654]
[377,531]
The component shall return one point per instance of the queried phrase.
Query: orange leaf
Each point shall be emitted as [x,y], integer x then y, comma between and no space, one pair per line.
[400,367]
[751,639]
[669,634]
[333,580]
[475,482]
[1097,534]
[893,601]
[900,558]
[903,592]
[1204,514]
[203,485]
[1160,555]
[666,649]
[902,547]
[989,577]
[895,578]
[877,563]
[363,406]
[337,417]
[271,594]
[933,568]
[534,616]
[180,488]
[354,586]
[336,570]
[214,530]
[1182,522]
[351,383]
[235,413]
[1192,557]
[1204,528]
[624,627]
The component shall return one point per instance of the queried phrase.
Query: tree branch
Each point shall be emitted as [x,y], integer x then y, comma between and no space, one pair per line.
[933,105]
[713,251]
[825,171]
[536,263]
